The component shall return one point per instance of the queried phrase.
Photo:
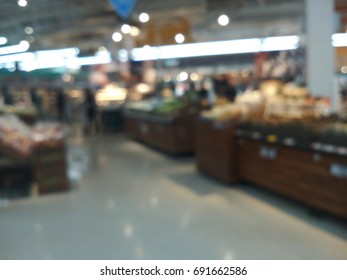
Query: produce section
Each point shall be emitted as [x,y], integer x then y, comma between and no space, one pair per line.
[287,145]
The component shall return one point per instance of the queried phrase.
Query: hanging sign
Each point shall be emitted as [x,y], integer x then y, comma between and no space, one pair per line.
[123,7]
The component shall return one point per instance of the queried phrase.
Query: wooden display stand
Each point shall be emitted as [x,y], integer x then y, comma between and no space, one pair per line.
[50,169]
[316,179]
[216,150]
[172,135]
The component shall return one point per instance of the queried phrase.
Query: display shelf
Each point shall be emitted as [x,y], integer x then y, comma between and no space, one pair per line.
[216,150]
[174,135]
[316,179]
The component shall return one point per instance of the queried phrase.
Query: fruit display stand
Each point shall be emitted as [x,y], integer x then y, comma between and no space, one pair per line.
[170,133]
[216,150]
[313,174]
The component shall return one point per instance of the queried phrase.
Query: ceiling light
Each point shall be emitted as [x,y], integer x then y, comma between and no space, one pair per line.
[223,20]
[144,17]
[126,28]
[3,40]
[280,43]
[344,69]
[179,38]
[183,76]
[22,3]
[28,30]
[134,31]
[21,47]
[68,52]
[252,45]
[117,37]
[340,40]
[194,77]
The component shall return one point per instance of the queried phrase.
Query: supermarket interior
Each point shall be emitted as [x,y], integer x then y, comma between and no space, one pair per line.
[187,129]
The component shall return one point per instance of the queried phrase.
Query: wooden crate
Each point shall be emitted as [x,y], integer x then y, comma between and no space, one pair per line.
[50,169]
[216,150]
[316,179]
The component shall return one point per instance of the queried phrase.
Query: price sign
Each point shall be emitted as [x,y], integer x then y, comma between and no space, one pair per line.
[338,170]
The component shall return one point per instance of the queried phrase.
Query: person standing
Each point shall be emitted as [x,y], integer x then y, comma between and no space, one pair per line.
[61,100]
[91,108]
[7,95]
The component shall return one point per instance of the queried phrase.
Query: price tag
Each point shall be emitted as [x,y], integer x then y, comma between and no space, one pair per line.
[328,148]
[317,146]
[338,170]
[268,153]
[256,135]
[272,138]
[289,142]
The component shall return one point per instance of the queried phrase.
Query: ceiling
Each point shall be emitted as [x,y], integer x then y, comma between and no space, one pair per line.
[90,24]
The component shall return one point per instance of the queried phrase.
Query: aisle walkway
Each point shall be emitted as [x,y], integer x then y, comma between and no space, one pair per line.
[130,202]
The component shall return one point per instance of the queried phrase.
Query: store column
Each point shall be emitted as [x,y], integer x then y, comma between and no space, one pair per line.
[320,53]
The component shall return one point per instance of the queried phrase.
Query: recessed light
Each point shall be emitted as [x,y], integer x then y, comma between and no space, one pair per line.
[144,17]
[22,3]
[117,37]
[126,28]
[179,38]
[223,20]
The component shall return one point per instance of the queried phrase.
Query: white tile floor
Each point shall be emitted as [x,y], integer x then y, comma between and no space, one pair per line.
[130,202]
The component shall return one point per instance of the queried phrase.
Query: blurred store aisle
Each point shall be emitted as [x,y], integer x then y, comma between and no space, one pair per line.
[130,202]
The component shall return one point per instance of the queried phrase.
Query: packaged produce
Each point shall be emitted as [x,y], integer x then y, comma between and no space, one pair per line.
[15,137]
[47,134]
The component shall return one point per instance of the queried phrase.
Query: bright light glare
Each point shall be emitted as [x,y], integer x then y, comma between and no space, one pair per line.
[280,43]
[21,47]
[344,69]
[197,49]
[339,40]
[144,17]
[183,76]
[135,31]
[126,28]
[179,38]
[22,3]
[117,37]
[3,40]
[223,20]
[252,45]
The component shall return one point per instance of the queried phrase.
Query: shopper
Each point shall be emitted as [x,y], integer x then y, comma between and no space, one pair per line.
[61,100]
[7,95]
[91,108]
[36,101]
